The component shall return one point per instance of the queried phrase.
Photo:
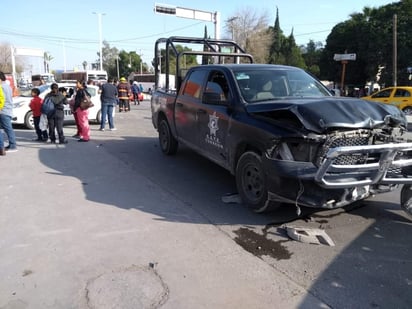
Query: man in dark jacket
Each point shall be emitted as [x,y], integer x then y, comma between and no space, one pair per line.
[55,120]
[108,97]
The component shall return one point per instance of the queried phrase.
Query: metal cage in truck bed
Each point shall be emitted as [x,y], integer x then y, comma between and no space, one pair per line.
[214,51]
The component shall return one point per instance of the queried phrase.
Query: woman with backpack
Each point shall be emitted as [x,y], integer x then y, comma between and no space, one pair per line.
[55,117]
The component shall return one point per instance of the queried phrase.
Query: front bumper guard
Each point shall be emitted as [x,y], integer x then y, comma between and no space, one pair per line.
[391,157]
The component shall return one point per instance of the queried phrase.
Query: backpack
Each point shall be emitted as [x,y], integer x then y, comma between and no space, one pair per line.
[47,107]
[135,88]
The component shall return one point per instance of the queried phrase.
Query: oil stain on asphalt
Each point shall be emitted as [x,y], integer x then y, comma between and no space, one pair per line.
[260,245]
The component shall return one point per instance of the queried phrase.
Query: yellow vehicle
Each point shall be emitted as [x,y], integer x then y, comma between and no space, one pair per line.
[400,96]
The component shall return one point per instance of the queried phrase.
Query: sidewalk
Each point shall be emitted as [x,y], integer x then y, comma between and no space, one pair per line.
[79,231]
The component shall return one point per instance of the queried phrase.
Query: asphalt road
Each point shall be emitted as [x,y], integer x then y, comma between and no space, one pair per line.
[116,224]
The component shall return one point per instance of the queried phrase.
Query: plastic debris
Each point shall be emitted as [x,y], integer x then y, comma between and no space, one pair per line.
[309,235]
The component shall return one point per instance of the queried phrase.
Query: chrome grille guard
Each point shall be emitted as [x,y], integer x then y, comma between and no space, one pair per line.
[389,157]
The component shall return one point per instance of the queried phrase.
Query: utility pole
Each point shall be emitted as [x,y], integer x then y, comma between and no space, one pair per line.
[232,25]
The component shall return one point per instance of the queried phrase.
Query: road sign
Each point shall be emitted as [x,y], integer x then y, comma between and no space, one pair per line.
[344,57]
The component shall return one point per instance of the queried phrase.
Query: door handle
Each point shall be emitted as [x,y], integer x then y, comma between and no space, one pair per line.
[201,111]
[179,104]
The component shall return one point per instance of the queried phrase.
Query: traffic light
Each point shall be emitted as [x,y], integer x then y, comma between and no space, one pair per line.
[169,10]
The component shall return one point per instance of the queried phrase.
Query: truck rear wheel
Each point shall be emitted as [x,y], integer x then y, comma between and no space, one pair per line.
[251,183]
[168,144]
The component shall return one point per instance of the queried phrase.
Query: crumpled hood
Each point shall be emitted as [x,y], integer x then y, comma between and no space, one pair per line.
[319,114]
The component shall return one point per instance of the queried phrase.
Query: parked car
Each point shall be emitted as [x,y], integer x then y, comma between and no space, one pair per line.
[23,115]
[400,96]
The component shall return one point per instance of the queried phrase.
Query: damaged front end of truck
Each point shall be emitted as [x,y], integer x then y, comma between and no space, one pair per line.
[331,157]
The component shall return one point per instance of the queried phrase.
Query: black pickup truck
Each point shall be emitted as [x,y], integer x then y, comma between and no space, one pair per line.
[279,131]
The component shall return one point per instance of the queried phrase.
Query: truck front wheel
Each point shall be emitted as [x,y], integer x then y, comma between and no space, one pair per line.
[168,143]
[251,183]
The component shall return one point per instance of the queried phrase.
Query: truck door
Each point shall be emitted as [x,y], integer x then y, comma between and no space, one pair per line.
[187,106]
[213,118]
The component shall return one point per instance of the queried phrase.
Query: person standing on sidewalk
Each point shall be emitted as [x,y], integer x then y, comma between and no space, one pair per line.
[108,97]
[2,99]
[35,106]
[7,113]
[56,119]
[136,93]
[82,114]
[124,94]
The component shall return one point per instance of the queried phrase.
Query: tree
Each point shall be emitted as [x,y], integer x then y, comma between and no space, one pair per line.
[292,53]
[122,62]
[110,59]
[205,59]
[275,55]
[5,58]
[370,35]
[283,50]
[311,54]
[249,29]
[186,62]
[6,61]
[129,62]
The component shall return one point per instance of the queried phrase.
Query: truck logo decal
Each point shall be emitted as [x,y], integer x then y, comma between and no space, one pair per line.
[211,138]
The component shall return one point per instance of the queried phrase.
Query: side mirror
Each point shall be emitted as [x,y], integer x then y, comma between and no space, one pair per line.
[212,98]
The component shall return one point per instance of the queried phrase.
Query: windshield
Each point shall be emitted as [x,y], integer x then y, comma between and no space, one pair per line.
[27,92]
[257,85]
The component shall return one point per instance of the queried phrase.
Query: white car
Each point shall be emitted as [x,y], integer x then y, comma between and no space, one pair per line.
[22,113]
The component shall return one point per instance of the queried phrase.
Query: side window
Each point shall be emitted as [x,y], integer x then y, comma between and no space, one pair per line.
[382,94]
[91,91]
[402,93]
[194,84]
[217,89]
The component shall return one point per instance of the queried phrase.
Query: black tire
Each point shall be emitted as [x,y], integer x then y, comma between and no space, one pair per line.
[251,183]
[408,111]
[29,121]
[99,116]
[168,144]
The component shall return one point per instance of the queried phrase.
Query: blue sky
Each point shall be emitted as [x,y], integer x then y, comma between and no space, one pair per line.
[69,30]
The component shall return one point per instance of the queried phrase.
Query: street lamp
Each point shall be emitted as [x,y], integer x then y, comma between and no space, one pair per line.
[99,17]
[117,63]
